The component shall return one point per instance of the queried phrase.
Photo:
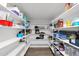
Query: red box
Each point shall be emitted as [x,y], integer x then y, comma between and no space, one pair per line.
[6,23]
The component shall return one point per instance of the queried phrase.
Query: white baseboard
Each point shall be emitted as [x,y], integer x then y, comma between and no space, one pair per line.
[39,46]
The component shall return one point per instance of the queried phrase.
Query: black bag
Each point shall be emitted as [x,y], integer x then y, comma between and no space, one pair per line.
[37,37]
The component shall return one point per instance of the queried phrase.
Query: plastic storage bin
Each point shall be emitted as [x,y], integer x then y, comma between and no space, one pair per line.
[75,22]
[6,23]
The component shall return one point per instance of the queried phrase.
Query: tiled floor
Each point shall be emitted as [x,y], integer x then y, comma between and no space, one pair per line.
[39,52]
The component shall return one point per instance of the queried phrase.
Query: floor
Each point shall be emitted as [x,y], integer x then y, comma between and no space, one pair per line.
[39,52]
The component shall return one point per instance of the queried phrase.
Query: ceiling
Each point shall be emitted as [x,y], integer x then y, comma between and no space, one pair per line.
[40,12]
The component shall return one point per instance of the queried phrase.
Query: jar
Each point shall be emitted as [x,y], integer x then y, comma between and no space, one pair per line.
[60,23]
[67,6]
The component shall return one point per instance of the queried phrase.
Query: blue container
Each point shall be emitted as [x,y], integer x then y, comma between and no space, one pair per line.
[63,36]
[54,34]
[73,41]
[77,42]
[75,24]
[20,35]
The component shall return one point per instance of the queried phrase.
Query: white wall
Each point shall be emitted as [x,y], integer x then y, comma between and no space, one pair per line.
[40,21]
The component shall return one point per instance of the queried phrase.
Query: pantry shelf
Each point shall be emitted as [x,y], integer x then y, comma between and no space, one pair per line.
[13,27]
[52,48]
[67,42]
[19,27]
[17,50]
[75,7]
[25,50]
[11,13]
[8,42]
[62,52]
[71,28]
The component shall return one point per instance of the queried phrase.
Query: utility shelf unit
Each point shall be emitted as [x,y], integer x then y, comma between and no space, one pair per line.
[11,13]
[52,48]
[8,42]
[13,27]
[14,16]
[17,50]
[67,42]
[62,52]
[69,14]
[9,45]
[71,28]
[25,49]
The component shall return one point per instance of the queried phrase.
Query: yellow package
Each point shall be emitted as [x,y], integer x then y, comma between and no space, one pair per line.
[68,23]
